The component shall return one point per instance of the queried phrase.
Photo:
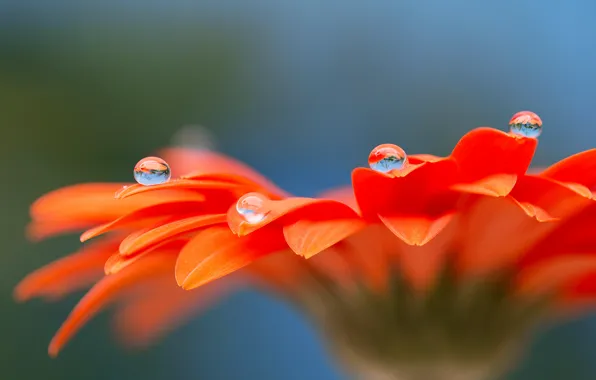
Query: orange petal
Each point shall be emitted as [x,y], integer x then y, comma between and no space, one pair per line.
[573,235]
[105,291]
[579,168]
[38,230]
[556,198]
[117,262]
[309,237]
[88,202]
[485,152]
[216,252]
[142,216]
[137,243]
[194,163]
[67,274]
[293,209]
[422,265]
[177,185]
[344,194]
[161,307]
[417,158]
[282,271]
[495,233]
[497,185]
[415,230]
[552,274]
[423,191]
[369,253]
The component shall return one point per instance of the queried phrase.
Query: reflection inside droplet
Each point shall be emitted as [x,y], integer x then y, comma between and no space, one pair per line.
[526,124]
[152,171]
[387,157]
[251,207]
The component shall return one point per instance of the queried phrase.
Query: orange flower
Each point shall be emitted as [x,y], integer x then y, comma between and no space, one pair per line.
[419,227]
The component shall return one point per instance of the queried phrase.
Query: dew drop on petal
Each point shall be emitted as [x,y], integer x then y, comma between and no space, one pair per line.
[387,157]
[251,207]
[526,124]
[152,171]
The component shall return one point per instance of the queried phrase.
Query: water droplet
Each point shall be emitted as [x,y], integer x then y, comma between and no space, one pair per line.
[152,171]
[526,124]
[387,157]
[251,207]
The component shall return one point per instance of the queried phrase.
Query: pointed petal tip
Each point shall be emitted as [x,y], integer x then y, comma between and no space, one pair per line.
[416,230]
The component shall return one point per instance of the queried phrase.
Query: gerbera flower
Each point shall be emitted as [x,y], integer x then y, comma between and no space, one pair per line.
[426,267]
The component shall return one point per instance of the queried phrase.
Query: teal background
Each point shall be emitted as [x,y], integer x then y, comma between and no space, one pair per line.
[302,91]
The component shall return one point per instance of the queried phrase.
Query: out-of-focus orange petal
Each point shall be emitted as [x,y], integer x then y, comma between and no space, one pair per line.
[160,307]
[484,152]
[142,217]
[309,237]
[556,198]
[67,274]
[280,271]
[494,233]
[552,274]
[168,231]
[107,290]
[370,252]
[497,185]
[421,265]
[292,209]
[344,194]
[216,252]
[572,235]
[194,163]
[38,230]
[415,230]
[83,200]
[579,168]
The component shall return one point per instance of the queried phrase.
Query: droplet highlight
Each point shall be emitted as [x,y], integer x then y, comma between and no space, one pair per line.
[526,124]
[251,207]
[152,171]
[387,157]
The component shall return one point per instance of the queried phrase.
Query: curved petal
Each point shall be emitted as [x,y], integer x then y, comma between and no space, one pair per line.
[484,152]
[86,202]
[424,191]
[307,237]
[495,233]
[141,217]
[117,261]
[579,168]
[216,252]
[191,186]
[292,210]
[556,198]
[416,230]
[167,231]
[195,163]
[573,235]
[105,291]
[496,185]
[67,274]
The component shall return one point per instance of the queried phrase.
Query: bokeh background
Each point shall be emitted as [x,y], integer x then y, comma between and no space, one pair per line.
[302,90]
